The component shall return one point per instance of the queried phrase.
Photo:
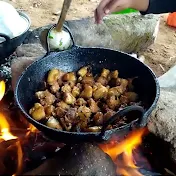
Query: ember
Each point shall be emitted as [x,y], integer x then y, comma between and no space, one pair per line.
[31,129]
[122,152]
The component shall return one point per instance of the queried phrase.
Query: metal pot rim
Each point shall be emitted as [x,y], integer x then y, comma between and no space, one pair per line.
[22,15]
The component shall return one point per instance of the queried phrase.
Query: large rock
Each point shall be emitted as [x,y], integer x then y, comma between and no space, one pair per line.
[162,122]
[163,119]
[169,78]
[132,32]
[27,54]
[79,160]
[121,32]
[128,32]
[86,33]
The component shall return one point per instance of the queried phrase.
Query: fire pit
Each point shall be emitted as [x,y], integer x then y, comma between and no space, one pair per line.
[25,150]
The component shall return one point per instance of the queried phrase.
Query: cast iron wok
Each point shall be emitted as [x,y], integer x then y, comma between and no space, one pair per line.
[146,85]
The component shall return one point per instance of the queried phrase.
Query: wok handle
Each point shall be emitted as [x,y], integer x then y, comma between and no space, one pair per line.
[121,113]
[67,29]
[7,38]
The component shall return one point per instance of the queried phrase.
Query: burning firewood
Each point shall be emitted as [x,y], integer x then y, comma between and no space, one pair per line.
[80,160]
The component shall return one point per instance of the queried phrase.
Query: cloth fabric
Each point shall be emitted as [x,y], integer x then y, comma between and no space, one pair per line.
[160,6]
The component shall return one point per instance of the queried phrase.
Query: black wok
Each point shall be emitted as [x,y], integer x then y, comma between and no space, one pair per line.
[146,85]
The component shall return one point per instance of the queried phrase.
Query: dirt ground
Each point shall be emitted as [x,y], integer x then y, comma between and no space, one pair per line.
[160,56]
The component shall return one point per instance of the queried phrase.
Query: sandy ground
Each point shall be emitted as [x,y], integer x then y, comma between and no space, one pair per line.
[160,56]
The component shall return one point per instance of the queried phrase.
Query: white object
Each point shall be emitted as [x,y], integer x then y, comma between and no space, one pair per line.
[59,40]
[168,79]
[134,55]
[11,23]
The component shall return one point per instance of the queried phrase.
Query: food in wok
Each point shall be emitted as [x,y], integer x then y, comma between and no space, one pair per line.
[83,102]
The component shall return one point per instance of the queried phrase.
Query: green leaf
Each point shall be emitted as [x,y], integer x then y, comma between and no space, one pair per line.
[51,37]
[60,44]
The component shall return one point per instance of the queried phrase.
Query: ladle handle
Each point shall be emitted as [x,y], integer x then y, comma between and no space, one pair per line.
[62,18]
[122,113]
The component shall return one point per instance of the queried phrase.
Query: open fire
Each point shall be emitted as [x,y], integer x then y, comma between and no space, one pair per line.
[6,135]
[121,152]
[2,89]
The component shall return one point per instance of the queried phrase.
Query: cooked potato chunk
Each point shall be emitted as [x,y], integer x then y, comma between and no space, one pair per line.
[94,129]
[53,123]
[102,80]
[69,98]
[105,73]
[63,105]
[93,105]
[45,97]
[75,91]
[54,75]
[69,77]
[115,91]
[81,102]
[83,71]
[66,88]
[88,80]
[114,74]
[55,87]
[60,112]
[113,102]
[37,112]
[87,92]
[49,110]
[99,92]
[84,112]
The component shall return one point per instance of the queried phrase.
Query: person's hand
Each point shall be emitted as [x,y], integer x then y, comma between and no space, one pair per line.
[108,6]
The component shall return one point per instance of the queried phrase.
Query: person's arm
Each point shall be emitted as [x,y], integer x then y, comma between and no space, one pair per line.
[160,6]
[144,6]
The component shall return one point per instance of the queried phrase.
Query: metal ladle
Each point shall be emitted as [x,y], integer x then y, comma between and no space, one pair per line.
[55,38]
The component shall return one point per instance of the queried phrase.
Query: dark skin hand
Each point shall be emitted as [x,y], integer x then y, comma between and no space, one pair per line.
[108,6]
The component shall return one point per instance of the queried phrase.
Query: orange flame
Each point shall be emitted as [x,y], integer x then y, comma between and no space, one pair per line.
[20,156]
[126,165]
[5,129]
[6,135]
[31,129]
[2,89]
